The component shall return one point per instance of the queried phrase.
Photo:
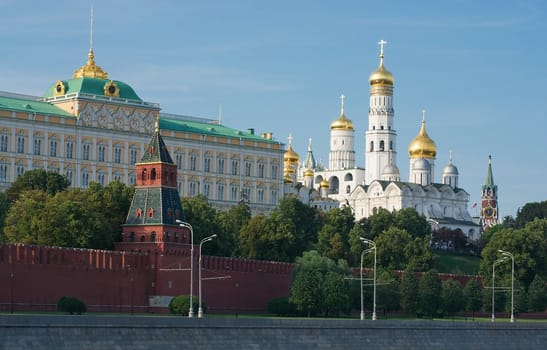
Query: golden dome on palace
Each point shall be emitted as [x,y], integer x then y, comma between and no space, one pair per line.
[324,184]
[381,76]
[341,123]
[422,145]
[290,155]
[308,172]
[90,69]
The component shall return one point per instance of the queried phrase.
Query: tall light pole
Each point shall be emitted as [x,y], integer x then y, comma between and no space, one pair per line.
[372,245]
[205,240]
[497,262]
[506,255]
[188,226]
[361,271]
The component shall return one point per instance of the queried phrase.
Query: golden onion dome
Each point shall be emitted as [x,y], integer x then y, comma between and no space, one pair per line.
[324,184]
[381,76]
[308,173]
[290,155]
[422,145]
[342,122]
[90,69]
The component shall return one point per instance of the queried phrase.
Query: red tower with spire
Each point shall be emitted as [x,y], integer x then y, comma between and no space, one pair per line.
[151,222]
[489,200]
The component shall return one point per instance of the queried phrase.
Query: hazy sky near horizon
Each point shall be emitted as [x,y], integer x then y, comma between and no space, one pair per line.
[478,68]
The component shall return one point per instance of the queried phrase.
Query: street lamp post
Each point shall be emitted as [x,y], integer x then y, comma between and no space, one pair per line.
[188,226]
[499,261]
[372,247]
[205,240]
[361,271]
[509,255]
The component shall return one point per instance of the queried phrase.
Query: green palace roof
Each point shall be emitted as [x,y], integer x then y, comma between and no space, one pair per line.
[94,86]
[206,127]
[29,104]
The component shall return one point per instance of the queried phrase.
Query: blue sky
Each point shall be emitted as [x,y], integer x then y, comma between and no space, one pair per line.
[477,67]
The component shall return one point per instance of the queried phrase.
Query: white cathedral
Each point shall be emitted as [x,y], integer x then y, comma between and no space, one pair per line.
[443,203]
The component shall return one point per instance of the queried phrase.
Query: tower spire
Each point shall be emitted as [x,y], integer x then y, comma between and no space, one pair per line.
[489,177]
[342,98]
[91,30]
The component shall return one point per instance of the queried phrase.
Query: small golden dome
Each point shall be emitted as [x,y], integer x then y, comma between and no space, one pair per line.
[324,184]
[341,123]
[291,156]
[422,145]
[90,69]
[308,172]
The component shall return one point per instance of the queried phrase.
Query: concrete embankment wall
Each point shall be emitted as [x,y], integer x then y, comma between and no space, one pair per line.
[104,332]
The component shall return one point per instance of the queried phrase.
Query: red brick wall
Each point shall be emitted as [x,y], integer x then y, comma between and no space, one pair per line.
[121,281]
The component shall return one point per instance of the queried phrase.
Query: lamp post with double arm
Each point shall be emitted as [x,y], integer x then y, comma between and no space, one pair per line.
[372,245]
[188,226]
[205,240]
[509,255]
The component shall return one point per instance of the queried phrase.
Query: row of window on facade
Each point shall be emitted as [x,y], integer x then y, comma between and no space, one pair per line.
[221,167]
[246,193]
[133,155]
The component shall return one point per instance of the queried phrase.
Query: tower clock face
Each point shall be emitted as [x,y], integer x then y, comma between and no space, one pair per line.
[488,212]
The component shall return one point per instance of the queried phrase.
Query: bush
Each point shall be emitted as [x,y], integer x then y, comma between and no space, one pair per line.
[180,305]
[71,305]
[282,307]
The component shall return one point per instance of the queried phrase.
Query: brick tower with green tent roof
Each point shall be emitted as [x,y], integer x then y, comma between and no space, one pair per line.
[151,222]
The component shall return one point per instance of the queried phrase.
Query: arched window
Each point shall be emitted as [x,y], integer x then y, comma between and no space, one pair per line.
[153,237]
[372,146]
[153,174]
[143,175]
[132,237]
[382,145]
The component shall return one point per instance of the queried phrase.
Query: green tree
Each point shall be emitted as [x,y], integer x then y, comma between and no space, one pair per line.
[107,207]
[429,294]
[379,222]
[336,299]
[25,220]
[414,223]
[529,247]
[529,212]
[537,295]
[387,291]
[419,255]
[4,208]
[358,230]
[231,222]
[452,297]
[409,293]
[473,297]
[306,292]
[333,237]
[199,213]
[305,222]
[391,245]
[319,284]
[47,181]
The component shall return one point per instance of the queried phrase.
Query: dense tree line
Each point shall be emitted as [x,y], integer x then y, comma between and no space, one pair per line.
[39,208]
